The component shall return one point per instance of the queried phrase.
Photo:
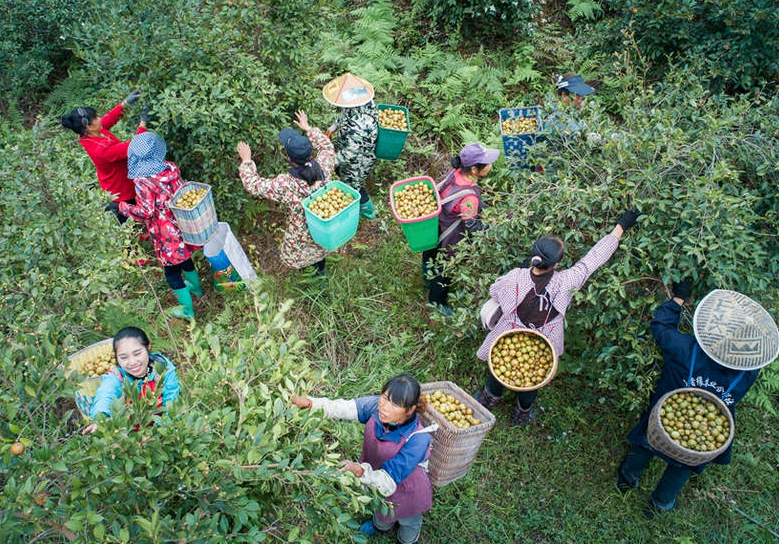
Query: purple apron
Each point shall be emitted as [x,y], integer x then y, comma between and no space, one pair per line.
[414,495]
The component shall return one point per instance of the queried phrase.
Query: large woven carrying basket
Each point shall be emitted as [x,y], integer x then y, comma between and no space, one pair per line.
[660,440]
[88,387]
[549,376]
[454,449]
[198,224]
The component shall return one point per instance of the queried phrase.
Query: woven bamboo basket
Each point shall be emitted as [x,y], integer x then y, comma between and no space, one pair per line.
[660,440]
[88,387]
[198,224]
[552,371]
[454,449]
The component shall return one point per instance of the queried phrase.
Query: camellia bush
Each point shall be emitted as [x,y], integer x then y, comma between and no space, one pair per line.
[703,171]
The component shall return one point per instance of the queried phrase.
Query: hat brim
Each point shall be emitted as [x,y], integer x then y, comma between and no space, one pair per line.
[581,89]
[491,155]
[348,91]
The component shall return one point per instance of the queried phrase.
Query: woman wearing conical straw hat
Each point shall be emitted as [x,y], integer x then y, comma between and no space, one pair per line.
[358,128]
[733,338]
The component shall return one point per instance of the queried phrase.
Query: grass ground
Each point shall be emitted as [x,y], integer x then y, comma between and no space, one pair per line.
[550,482]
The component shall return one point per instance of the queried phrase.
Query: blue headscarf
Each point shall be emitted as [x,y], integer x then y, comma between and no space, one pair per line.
[146,155]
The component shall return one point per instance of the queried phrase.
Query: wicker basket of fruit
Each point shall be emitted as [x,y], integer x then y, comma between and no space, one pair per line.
[416,205]
[462,425]
[518,129]
[393,131]
[93,361]
[522,360]
[332,214]
[193,207]
[690,425]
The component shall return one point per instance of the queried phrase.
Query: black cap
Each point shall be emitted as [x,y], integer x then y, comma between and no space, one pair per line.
[297,147]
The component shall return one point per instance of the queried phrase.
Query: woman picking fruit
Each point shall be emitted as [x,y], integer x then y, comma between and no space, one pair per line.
[733,338]
[358,128]
[537,297]
[395,448]
[133,361]
[156,181]
[461,205]
[572,90]
[108,154]
[305,176]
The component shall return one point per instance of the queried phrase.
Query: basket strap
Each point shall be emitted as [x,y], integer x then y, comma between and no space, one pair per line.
[458,194]
[733,384]
[692,364]
[450,230]
[429,429]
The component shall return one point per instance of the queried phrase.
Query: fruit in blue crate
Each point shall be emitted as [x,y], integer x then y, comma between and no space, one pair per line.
[519,125]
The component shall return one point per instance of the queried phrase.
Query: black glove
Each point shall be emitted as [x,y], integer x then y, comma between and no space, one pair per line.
[474,225]
[132,97]
[112,207]
[628,218]
[682,289]
[145,113]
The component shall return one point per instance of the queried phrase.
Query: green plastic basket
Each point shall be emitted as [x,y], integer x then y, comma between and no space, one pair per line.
[421,232]
[390,142]
[334,232]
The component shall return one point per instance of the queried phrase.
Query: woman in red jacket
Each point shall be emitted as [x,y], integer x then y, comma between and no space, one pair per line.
[107,152]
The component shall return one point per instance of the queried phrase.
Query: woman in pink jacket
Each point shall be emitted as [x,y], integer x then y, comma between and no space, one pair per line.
[537,297]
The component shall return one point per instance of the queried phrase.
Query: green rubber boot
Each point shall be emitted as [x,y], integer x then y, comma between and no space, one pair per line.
[366,210]
[184,310]
[192,281]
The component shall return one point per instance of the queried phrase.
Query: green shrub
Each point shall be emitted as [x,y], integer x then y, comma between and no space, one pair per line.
[503,18]
[732,43]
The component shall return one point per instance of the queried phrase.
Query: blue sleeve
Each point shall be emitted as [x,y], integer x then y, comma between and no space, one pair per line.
[171,388]
[366,406]
[675,345]
[410,455]
[109,390]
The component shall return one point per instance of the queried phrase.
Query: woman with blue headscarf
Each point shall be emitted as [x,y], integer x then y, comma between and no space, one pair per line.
[156,181]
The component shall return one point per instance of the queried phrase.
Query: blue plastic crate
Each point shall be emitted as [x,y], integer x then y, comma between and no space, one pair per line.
[515,146]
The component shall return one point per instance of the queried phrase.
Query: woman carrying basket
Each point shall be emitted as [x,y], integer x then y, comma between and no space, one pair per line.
[304,177]
[134,362]
[395,449]
[108,153]
[733,338]
[461,205]
[156,181]
[537,297]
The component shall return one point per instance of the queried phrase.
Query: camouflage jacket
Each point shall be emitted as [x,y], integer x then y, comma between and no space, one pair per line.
[358,129]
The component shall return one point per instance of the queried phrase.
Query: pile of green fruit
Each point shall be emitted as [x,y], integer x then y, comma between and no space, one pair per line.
[521,360]
[330,203]
[694,422]
[414,201]
[394,119]
[191,198]
[95,362]
[452,409]
[519,125]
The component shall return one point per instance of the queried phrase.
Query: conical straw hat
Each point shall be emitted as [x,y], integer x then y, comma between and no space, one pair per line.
[348,91]
[735,331]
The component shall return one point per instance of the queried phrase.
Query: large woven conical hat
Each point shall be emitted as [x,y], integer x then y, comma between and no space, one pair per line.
[348,91]
[735,331]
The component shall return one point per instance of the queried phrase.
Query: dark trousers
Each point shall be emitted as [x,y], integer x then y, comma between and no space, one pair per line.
[439,285]
[173,273]
[671,482]
[364,197]
[319,268]
[524,398]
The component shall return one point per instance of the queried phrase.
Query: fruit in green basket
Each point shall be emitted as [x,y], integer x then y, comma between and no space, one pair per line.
[521,360]
[394,119]
[331,203]
[191,198]
[452,409]
[17,448]
[519,125]
[414,201]
[694,422]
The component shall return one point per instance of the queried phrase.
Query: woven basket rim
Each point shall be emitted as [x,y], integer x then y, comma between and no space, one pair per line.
[181,189]
[486,417]
[549,377]
[654,420]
